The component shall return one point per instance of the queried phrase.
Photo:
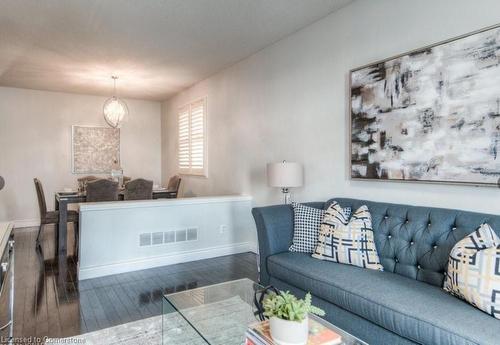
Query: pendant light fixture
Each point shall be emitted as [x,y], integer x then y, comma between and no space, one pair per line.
[115,110]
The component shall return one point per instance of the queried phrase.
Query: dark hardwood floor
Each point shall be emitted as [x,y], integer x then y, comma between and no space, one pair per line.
[50,301]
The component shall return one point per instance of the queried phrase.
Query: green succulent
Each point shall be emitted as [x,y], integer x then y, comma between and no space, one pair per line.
[288,307]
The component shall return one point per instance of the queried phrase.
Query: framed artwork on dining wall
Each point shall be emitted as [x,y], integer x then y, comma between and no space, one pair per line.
[96,150]
[430,115]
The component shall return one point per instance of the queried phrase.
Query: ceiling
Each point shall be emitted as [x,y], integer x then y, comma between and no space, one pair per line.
[156,47]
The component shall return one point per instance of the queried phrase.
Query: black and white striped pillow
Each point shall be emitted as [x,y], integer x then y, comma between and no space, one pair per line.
[307,222]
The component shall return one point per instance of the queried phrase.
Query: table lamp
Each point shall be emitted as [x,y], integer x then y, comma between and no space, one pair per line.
[285,175]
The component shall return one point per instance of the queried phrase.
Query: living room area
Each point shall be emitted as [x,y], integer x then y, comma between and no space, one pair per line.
[253,172]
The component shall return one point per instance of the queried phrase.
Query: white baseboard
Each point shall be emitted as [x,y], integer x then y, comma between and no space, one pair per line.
[26,223]
[156,261]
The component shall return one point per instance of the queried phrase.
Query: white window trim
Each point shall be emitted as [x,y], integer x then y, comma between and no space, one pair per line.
[189,172]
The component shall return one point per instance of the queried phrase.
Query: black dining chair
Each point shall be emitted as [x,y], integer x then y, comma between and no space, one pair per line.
[173,186]
[52,217]
[82,182]
[102,190]
[138,189]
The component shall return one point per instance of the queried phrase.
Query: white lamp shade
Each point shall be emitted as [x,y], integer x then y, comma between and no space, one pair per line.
[285,174]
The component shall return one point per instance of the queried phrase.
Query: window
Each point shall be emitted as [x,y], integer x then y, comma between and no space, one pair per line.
[191,155]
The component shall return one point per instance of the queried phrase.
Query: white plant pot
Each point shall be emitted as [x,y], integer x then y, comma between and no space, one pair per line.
[286,332]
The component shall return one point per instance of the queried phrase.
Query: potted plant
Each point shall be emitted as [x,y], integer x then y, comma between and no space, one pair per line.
[288,317]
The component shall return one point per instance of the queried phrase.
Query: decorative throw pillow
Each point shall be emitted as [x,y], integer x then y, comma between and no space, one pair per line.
[348,241]
[474,270]
[307,221]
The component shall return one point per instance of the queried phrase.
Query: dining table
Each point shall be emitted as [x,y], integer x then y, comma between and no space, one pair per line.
[63,199]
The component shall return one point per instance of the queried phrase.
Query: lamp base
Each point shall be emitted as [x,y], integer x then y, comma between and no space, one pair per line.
[286,196]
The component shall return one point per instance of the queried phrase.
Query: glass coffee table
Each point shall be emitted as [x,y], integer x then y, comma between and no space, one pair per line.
[218,315]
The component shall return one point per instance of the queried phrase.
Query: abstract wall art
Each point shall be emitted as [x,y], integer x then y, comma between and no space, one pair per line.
[430,115]
[96,150]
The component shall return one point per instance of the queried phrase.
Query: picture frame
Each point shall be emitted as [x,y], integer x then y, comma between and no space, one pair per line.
[94,149]
[376,173]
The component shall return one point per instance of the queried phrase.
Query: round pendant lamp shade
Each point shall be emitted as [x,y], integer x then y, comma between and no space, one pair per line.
[115,110]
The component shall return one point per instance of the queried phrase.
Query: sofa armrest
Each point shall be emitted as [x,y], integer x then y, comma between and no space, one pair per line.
[275,232]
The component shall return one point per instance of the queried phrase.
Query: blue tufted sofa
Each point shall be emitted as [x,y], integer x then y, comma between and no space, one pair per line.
[404,304]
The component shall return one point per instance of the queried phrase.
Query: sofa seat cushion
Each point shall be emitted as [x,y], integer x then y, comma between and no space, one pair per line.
[415,310]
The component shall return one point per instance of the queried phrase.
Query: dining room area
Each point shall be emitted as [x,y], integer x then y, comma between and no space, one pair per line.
[98,188]
[63,138]
[60,150]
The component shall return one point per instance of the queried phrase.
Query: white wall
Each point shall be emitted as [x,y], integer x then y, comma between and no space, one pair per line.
[35,141]
[224,226]
[289,100]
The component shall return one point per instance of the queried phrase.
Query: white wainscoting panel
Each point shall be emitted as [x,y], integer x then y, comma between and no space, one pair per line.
[117,237]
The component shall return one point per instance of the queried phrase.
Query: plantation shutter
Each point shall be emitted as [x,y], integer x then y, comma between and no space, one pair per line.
[192,128]
[183,149]
[197,137]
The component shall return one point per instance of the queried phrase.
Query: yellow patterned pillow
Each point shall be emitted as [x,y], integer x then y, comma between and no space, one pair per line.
[347,241]
[474,270]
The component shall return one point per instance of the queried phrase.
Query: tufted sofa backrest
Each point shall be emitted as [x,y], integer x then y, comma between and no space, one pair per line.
[415,241]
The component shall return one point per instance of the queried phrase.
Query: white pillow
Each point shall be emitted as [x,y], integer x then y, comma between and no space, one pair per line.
[348,241]
[474,270]
[306,223]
